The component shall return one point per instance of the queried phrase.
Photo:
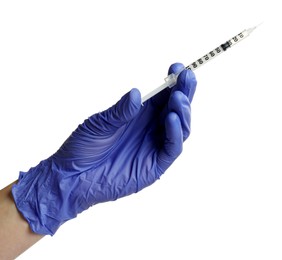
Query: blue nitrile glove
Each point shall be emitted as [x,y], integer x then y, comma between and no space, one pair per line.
[111,155]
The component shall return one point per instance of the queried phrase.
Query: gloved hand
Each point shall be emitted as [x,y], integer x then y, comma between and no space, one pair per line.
[112,154]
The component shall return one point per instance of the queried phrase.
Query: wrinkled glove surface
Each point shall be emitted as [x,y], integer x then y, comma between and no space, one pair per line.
[112,154]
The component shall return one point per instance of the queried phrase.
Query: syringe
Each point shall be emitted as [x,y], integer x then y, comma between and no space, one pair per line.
[171,79]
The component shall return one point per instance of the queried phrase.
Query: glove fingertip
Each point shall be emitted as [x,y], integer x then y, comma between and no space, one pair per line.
[132,104]
[193,84]
[135,97]
[175,68]
[186,82]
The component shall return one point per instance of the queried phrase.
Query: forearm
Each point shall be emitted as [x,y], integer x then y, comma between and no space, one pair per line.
[15,234]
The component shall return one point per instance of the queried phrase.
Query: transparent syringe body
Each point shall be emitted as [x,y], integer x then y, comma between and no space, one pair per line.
[218,50]
[171,79]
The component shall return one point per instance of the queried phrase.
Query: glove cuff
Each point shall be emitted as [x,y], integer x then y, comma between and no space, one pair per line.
[36,200]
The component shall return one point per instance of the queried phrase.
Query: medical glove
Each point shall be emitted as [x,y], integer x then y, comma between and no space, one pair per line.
[110,155]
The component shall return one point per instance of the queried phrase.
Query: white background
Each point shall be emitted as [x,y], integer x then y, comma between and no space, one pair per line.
[61,61]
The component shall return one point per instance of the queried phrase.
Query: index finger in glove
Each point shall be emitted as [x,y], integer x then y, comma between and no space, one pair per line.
[186,83]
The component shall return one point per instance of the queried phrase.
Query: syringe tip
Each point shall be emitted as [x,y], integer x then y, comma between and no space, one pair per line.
[250,30]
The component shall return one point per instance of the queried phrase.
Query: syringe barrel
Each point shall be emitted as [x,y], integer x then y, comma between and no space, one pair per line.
[171,79]
[239,37]
[220,49]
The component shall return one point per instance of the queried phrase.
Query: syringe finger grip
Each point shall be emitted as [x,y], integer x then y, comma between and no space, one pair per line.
[170,81]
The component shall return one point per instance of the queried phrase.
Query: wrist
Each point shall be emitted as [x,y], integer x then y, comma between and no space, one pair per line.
[15,233]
